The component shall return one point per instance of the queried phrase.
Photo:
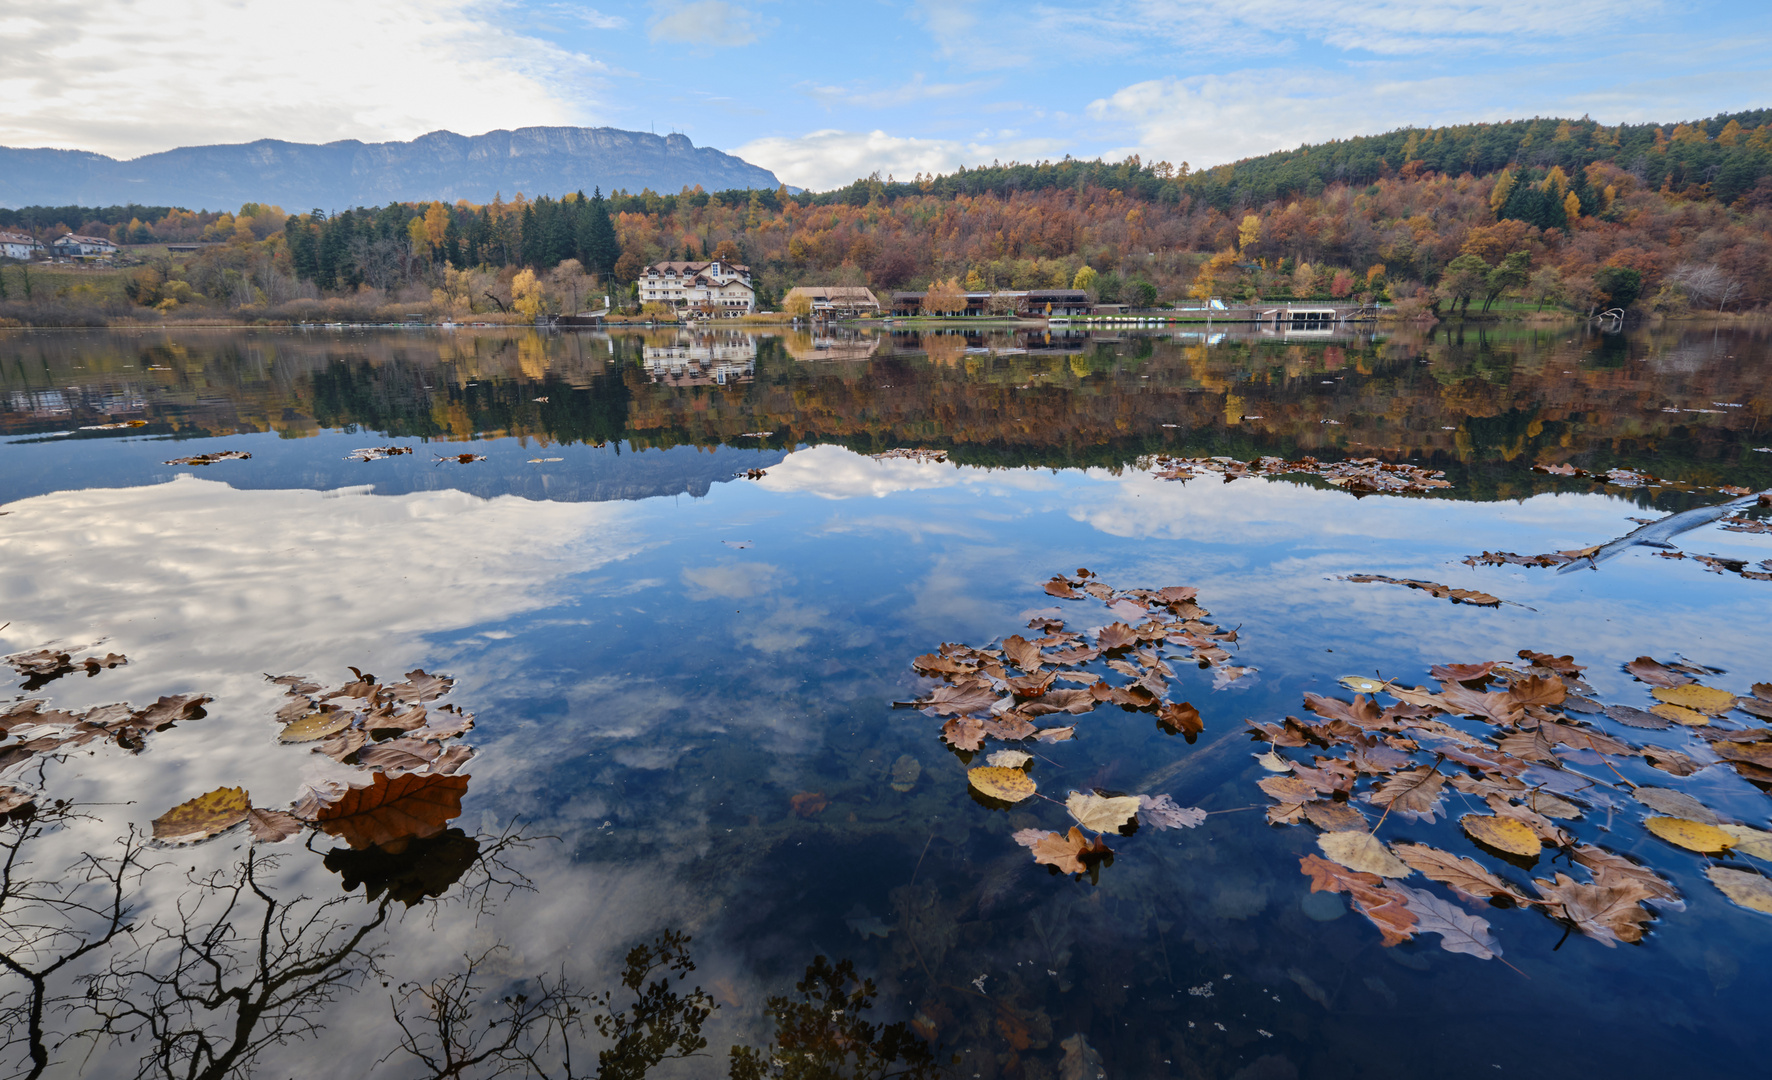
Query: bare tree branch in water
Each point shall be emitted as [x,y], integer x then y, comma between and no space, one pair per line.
[48,927]
[533,1033]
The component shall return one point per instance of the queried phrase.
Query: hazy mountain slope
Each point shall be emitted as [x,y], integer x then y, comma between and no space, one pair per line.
[441,165]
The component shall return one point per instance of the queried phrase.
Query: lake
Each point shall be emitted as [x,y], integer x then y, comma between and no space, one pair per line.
[1020,705]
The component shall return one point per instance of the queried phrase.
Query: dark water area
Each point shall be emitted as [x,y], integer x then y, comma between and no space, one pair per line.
[680,588]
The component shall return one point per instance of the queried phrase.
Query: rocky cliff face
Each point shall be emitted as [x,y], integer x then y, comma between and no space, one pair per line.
[334,176]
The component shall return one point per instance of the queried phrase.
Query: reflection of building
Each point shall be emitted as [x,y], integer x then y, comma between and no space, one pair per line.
[835,301]
[74,245]
[1027,304]
[804,347]
[717,288]
[21,246]
[702,359]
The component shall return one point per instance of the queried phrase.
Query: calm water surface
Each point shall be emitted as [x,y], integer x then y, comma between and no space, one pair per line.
[683,681]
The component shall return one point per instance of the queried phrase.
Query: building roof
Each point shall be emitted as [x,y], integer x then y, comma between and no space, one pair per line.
[19,238]
[836,294]
[76,238]
[687,268]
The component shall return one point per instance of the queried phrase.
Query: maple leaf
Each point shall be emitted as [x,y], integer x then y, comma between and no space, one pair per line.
[1070,853]
[1161,812]
[1414,795]
[1537,690]
[1460,931]
[1499,708]
[1182,719]
[1467,877]
[392,810]
[1609,914]
[204,816]
[963,733]
[1115,635]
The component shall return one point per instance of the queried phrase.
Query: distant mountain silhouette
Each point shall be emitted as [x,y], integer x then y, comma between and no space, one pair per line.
[338,175]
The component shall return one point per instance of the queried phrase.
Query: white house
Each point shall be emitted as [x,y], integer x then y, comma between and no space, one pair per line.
[21,246]
[75,245]
[715,287]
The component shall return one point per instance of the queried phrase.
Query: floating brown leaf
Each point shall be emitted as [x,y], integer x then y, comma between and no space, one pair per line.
[1023,653]
[1459,930]
[1638,718]
[1497,708]
[1611,870]
[1443,592]
[1162,812]
[1743,887]
[316,725]
[1182,719]
[1609,914]
[1055,734]
[1062,589]
[1462,672]
[808,804]
[392,810]
[272,826]
[961,698]
[1335,817]
[1115,635]
[1674,804]
[1414,795]
[1466,876]
[1070,852]
[211,459]
[1656,673]
[1363,852]
[203,817]
[1536,690]
[1564,665]
[1102,814]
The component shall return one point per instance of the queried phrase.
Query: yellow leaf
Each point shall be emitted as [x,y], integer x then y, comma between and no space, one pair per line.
[1706,699]
[1360,684]
[1748,889]
[1679,714]
[315,725]
[1750,841]
[1101,813]
[1004,784]
[1363,852]
[204,816]
[1503,834]
[1691,835]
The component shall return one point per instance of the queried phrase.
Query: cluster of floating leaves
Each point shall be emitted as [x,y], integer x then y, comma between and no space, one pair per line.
[999,694]
[1361,476]
[755,474]
[406,785]
[30,732]
[1716,564]
[377,453]
[460,459]
[906,454]
[1443,592]
[1634,478]
[1537,727]
[211,459]
[119,425]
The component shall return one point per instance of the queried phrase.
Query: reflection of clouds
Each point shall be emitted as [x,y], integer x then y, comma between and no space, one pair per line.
[789,626]
[732,580]
[204,587]
[832,472]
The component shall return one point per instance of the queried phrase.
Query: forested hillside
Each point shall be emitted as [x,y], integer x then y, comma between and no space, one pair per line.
[1548,213]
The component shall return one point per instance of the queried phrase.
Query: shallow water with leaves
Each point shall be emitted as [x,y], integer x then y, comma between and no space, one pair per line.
[326,760]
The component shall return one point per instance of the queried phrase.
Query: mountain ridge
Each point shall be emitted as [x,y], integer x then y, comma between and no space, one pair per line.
[348,172]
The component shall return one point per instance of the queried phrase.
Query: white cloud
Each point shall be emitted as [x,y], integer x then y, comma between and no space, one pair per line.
[126,78]
[831,158]
[1212,119]
[832,472]
[706,22]
[593,18]
[916,89]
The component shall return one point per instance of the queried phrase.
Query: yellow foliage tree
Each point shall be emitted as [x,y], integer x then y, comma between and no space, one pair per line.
[798,305]
[944,298]
[1206,282]
[1085,278]
[1248,233]
[526,293]
[437,224]
[974,282]
[419,235]
[1504,186]
[1572,207]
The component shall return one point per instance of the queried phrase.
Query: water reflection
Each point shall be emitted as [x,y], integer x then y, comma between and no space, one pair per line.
[694,694]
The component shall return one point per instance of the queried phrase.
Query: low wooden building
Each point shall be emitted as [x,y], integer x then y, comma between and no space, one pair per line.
[836,301]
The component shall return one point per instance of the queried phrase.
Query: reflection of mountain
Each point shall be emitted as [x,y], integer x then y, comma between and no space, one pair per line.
[1479,403]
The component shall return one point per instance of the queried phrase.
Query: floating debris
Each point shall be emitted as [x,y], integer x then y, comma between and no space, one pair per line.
[1358,475]
[904,454]
[211,459]
[377,453]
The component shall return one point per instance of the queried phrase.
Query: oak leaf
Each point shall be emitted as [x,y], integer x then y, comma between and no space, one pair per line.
[1496,707]
[1023,653]
[1462,672]
[1468,877]
[971,696]
[1115,635]
[963,733]
[1538,690]
[204,816]
[1459,930]
[1609,914]
[1609,869]
[1062,589]
[1161,812]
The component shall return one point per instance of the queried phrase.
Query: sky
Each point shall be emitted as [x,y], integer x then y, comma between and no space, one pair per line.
[823,93]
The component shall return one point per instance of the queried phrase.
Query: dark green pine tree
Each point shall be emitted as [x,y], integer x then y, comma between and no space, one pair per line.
[597,239]
[529,242]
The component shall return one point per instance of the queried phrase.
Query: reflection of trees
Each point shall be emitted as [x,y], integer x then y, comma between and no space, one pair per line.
[49,927]
[824,1034]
